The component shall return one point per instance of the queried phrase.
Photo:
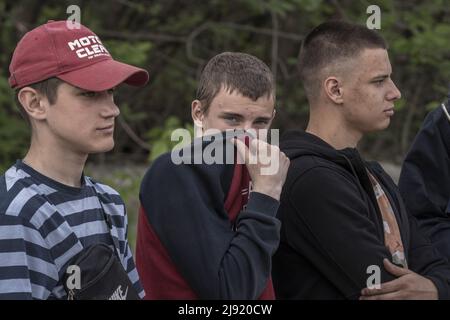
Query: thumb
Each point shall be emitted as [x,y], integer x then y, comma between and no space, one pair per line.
[393,269]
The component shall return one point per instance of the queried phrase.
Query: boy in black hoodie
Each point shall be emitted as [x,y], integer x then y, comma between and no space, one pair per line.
[344,225]
[425,179]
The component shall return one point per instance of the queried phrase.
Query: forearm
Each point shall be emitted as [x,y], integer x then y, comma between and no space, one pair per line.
[246,265]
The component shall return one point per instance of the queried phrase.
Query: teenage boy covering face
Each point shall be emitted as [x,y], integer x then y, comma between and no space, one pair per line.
[201,234]
[49,211]
[343,217]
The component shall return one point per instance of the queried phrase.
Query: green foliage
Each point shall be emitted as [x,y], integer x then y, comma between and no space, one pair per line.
[14,132]
[161,137]
[135,53]
[400,104]
[131,115]
[174,39]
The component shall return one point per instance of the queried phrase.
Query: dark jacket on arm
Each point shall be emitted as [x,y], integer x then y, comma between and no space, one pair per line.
[332,229]
[425,179]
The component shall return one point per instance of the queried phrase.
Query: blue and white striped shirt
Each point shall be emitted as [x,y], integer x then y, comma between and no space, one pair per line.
[44,224]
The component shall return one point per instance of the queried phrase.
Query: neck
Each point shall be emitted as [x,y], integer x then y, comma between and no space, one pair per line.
[332,130]
[59,164]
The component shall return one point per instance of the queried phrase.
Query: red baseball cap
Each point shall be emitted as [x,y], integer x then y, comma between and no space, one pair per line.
[76,56]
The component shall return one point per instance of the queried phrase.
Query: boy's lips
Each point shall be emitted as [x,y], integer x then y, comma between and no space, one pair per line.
[389,111]
[107,129]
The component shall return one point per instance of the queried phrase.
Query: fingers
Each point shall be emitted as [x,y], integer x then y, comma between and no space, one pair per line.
[256,146]
[394,270]
[411,286]
[387,287]
[263,159]
[391,286]
[259,151]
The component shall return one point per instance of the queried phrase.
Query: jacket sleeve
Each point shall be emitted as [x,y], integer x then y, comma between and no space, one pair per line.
[427,261]
[425,179]
[423,256]
[327,222]
[188,216]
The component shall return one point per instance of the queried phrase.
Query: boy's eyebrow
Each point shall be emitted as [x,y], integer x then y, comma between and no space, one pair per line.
[77,89]
[231,114]
[381,76]
[239,116]
[263,118]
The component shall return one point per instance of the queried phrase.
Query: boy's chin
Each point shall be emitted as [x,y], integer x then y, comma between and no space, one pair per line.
[378,127]
[102,149]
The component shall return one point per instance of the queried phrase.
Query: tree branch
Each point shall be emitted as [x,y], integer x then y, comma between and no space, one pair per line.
[158,37]
[274,63]
[132,134]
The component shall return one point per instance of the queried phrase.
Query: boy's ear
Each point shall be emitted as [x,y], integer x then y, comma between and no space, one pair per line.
[197,113]
[333,89]
[33,103]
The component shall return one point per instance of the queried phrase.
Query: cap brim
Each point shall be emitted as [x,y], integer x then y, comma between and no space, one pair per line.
[105,75]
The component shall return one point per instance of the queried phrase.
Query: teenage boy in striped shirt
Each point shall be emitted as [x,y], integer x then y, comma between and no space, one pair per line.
[49,211]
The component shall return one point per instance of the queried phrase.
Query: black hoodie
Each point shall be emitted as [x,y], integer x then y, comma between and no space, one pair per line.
[332,231]
[425,179]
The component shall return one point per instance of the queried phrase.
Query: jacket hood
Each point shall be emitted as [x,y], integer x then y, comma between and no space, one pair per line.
[297,143]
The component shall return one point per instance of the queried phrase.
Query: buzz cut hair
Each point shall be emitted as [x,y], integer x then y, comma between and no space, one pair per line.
[329,45]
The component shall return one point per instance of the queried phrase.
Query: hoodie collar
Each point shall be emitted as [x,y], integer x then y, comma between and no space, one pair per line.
[296,143]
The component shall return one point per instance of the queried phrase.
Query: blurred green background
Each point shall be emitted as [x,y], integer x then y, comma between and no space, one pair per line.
[173,39]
